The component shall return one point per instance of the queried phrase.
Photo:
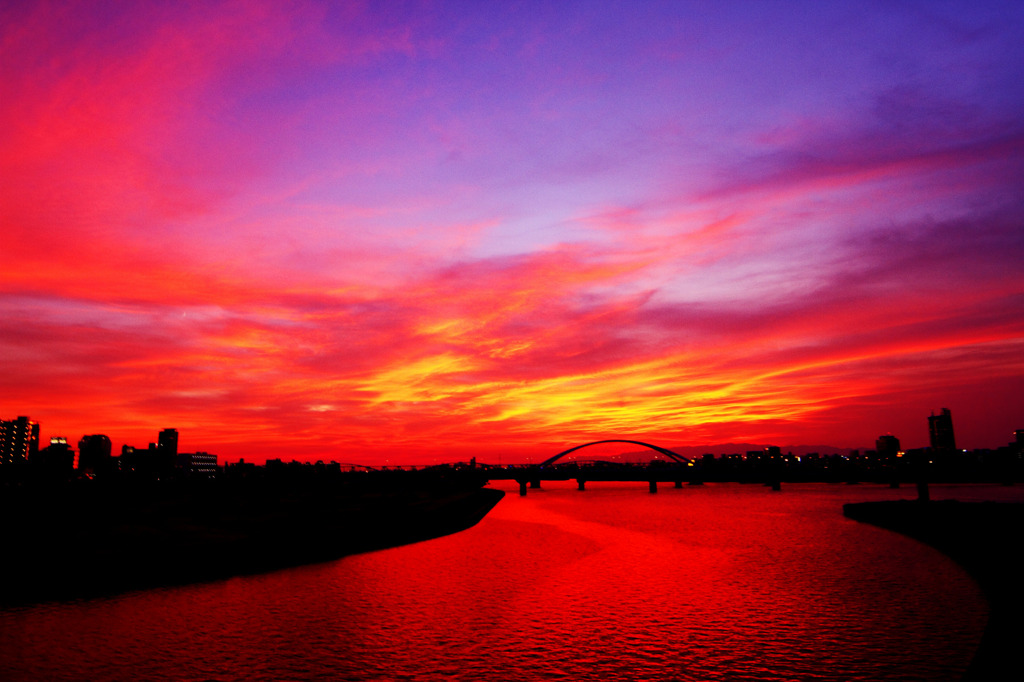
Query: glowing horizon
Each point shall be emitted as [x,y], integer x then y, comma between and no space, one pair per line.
[363,234]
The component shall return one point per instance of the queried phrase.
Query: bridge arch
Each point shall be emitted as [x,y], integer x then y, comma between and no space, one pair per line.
[668,453]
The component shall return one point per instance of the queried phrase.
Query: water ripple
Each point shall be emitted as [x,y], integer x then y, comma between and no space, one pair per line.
[719,583]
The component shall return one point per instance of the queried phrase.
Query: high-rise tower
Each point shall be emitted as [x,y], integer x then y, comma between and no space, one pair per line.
[940,430]
[167,442]
[19,440]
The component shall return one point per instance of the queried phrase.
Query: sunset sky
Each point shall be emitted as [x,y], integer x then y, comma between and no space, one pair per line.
[417,232]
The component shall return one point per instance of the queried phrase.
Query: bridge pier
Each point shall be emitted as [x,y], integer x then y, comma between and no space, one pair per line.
[581,484]
[679,484]
[522,488]
[654,486]
[535,483]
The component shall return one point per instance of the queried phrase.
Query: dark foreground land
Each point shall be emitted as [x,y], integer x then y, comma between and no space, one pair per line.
[93,539]
[987,539]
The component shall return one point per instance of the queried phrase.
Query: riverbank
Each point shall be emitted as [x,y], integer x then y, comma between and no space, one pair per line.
[985,539]
[85,542]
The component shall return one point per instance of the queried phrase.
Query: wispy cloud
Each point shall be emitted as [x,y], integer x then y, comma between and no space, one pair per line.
[333,232]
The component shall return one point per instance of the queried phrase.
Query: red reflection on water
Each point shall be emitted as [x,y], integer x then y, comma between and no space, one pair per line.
[711,583]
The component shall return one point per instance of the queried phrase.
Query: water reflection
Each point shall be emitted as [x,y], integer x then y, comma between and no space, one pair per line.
[720,582]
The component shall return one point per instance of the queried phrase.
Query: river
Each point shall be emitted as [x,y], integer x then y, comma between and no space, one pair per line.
[716,582]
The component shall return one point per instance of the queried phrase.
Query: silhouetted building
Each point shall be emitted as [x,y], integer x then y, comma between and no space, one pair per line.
[940,430]
[94,454]
[56,458]
[153,462]
[242,469]
[887,446]
[19,441]
[159,460]
[198,464]
[167,442]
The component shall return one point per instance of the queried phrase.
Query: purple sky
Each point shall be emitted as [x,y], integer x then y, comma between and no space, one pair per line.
[418,231]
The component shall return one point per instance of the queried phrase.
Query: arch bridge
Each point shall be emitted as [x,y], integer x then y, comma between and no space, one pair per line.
[664,451]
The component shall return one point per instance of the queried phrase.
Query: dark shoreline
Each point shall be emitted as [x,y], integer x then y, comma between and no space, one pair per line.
[104,542]
[987,540]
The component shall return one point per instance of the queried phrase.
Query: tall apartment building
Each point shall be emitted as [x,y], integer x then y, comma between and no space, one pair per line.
[19,440]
